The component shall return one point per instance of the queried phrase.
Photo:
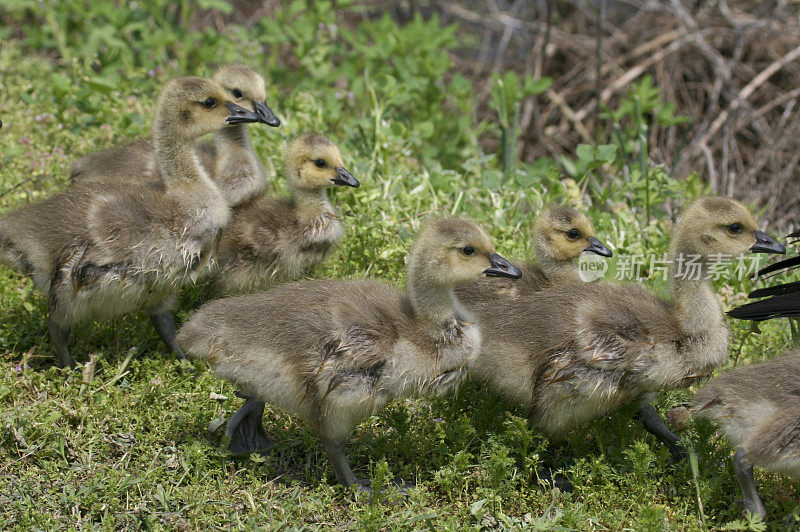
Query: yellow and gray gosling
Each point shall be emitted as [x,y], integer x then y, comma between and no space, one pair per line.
[560,235]
[758,409]
[335,352]
[270,240]
[757,406]
[229,160]
[108,248]
[574,351]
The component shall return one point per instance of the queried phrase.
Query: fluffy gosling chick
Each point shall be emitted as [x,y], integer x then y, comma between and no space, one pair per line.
[270,240]
[758,409]
[335,352]
[560,235]
[756,405]
[229,160]
[237,170]
[574,351]
[111,248]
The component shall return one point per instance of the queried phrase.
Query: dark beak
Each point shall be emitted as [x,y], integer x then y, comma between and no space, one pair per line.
[240,115]
[597,247]
[343,177]
[266,114]
[766,244]
[500,267]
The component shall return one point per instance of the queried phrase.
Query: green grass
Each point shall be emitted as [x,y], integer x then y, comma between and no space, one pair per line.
[130,446]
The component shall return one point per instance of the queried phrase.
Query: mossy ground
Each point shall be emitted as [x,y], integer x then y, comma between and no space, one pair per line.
[131,448]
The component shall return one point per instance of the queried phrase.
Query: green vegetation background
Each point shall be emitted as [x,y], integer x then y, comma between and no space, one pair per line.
[131,448]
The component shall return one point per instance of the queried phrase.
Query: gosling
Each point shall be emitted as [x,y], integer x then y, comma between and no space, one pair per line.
[270,240]
[560,235]
[229,160]
[112,248]
[574,351]
[757,407]
[335,352]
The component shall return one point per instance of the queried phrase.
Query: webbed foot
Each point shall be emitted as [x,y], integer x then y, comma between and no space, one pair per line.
[245,428]
[654,424]
[402,486]
[60,336]
[164,323]
[744,475]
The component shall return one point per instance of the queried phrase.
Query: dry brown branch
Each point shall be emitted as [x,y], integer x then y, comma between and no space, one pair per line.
[571,115]
[731,66]
[631,75]
[745,93]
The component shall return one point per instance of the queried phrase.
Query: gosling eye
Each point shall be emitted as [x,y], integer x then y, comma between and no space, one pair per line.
[237,93]
[735,228]
[210,103]
[468,250]
[573,234]
[320,163]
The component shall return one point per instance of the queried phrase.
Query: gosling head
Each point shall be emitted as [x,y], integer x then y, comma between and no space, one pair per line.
[452,251]
[313,162]
[190,107]
[713,225]
[246,87]
[561,234]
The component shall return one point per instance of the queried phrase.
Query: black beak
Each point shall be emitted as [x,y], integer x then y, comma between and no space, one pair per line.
[595,246]
[343,177]
[240,115]
[766,244]
[500,267]
[266,114]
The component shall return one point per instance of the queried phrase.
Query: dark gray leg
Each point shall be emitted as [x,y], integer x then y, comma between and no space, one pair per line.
[245,429]
[59,336]
[655,425]
[545,473]
[338,458]
[164,323]
[744,475]
[556,480]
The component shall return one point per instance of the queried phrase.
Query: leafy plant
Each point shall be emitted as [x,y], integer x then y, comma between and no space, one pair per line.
[128,447]
[507,94]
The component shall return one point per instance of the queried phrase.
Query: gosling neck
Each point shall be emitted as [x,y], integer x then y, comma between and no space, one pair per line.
[556,269]
[238,171]
[176,158]
[310,203]
[434,303]
[697,306]
[233,137]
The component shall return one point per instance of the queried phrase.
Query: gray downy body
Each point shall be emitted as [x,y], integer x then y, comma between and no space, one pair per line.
[335,352]
[104,249]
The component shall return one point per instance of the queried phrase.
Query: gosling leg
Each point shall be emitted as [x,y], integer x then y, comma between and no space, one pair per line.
[245,429]
[164,323]
[554,481]
[545,472]
[60,336]
[744,475]
[338,458]
[654,424]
